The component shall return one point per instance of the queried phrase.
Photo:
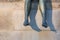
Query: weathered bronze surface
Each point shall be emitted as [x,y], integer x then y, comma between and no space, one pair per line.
[43,8]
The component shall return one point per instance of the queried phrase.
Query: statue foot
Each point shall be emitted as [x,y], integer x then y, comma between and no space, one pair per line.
[26,23]
[45,25]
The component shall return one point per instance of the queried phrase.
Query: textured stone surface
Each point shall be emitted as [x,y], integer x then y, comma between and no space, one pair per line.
[12,18]
[27,35]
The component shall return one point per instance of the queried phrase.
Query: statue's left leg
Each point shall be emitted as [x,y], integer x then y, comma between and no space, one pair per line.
[43,12]
[27,10]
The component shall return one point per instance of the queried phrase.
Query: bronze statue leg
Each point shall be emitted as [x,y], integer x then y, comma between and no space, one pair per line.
[27,11]
[43,12]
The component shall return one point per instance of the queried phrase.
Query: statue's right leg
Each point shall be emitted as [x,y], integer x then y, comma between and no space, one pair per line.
[43,12]
[27,11]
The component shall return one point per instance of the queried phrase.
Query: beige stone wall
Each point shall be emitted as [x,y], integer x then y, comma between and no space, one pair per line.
[18,0]
[10,0]
[12,18]
[11,15]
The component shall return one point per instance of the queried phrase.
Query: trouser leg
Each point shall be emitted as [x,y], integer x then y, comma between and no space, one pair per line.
[27,11]
[43,12]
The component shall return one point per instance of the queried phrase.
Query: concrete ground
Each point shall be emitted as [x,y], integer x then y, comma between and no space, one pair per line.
[12,18]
